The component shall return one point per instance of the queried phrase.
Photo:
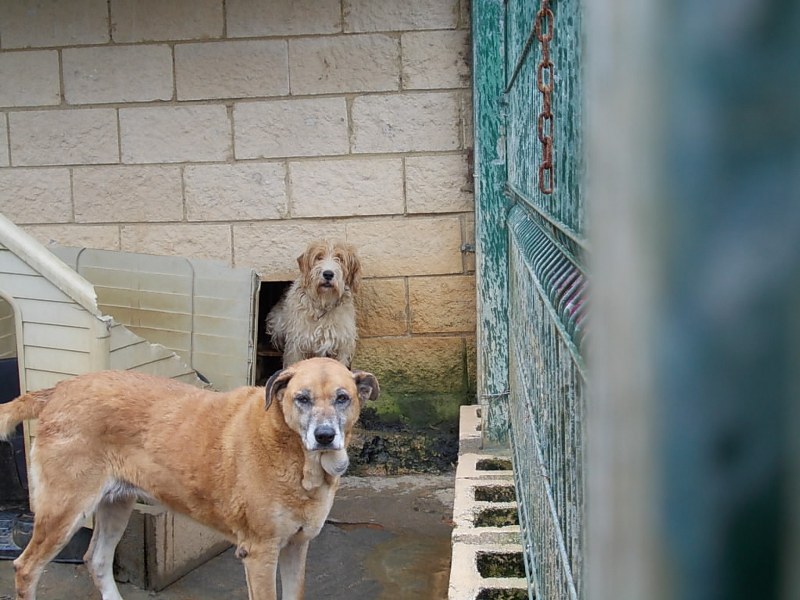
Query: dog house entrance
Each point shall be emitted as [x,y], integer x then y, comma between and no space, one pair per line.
[268,359]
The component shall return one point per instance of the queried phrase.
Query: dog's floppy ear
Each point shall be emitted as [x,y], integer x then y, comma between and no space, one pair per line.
[367,385]
[352,267]
[304,261]
[276,384]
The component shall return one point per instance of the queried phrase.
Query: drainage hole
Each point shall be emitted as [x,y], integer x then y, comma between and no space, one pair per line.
[497,517]
[495,493]
[494,464]
[501,564]
[502,594]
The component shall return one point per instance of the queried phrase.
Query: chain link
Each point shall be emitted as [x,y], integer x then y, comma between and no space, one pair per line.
[544,82]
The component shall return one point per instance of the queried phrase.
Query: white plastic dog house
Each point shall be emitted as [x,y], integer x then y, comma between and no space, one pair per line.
[91,310]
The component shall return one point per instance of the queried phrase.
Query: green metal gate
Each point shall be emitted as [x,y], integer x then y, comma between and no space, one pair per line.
[531,278]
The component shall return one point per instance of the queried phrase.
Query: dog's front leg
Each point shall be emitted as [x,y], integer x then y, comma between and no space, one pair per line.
[260,569]
[293,569]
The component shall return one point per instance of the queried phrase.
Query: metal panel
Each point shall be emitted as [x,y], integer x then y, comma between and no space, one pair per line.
[547,406]
[540,279]
[491,205]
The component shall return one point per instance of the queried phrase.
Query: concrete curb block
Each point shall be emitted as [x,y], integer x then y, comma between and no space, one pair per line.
[476,470]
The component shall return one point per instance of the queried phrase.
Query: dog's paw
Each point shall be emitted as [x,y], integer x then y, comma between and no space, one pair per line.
[335,463]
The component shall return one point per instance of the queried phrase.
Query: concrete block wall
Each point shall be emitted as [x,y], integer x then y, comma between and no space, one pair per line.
[239,130]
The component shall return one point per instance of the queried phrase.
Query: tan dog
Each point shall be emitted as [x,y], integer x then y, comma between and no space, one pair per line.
[317,317]
[234,461]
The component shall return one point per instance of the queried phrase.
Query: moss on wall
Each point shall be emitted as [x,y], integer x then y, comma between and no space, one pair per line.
[424,380]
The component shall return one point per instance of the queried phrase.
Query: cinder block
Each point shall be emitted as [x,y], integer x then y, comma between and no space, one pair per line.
[102,237]
[255,18]
[442,304]
[235,192]
[301,127]
[120,194]
[438,183]
[195,240]
[403,246]
[35,195]
[175,134]
[479,469]
[4,159]
[40,24]
[466,582]
[331,188]
[156,20]
[29,78]
[466,509]
[353,63]
[117,74]
[382,308]
[470,466]
[436,59]
[272,247]
[469,429]
[64,137]
[239,69]
[389,15]
[413,122]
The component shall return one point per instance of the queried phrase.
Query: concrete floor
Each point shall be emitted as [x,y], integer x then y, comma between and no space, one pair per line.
[388,539]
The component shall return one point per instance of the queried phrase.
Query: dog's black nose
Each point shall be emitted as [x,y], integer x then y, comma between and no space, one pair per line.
[328,275]
[324,434]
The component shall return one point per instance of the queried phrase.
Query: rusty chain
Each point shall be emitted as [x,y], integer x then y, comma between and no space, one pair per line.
[544,82]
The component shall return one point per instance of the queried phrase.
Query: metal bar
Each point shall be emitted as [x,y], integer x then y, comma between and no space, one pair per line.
[519,197]
[521,59]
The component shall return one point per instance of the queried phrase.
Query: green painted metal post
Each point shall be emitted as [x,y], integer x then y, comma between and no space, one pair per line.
[491,206]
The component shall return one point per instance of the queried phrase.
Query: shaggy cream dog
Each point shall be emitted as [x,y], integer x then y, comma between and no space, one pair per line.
[316,316]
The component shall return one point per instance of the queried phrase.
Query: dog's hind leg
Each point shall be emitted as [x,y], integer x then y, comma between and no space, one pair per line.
[55,522]
[111,518]
[292,563]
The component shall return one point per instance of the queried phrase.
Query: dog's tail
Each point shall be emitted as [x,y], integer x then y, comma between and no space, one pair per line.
[27,406]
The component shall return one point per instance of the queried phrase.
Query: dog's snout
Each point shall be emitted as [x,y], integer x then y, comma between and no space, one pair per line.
[324,434]
[328,275]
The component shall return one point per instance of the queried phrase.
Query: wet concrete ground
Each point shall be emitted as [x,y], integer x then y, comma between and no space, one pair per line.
[388,539]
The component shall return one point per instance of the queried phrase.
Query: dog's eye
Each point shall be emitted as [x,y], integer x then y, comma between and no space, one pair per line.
[303,399]
[342,398]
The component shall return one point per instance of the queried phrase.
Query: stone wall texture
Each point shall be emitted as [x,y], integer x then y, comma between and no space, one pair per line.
[239,130]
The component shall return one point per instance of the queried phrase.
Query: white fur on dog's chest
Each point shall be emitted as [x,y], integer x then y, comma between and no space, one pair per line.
[320,336]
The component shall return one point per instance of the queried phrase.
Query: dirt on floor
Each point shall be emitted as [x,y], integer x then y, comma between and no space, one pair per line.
[387,538]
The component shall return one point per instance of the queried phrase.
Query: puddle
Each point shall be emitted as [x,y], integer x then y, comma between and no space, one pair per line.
[411,567]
